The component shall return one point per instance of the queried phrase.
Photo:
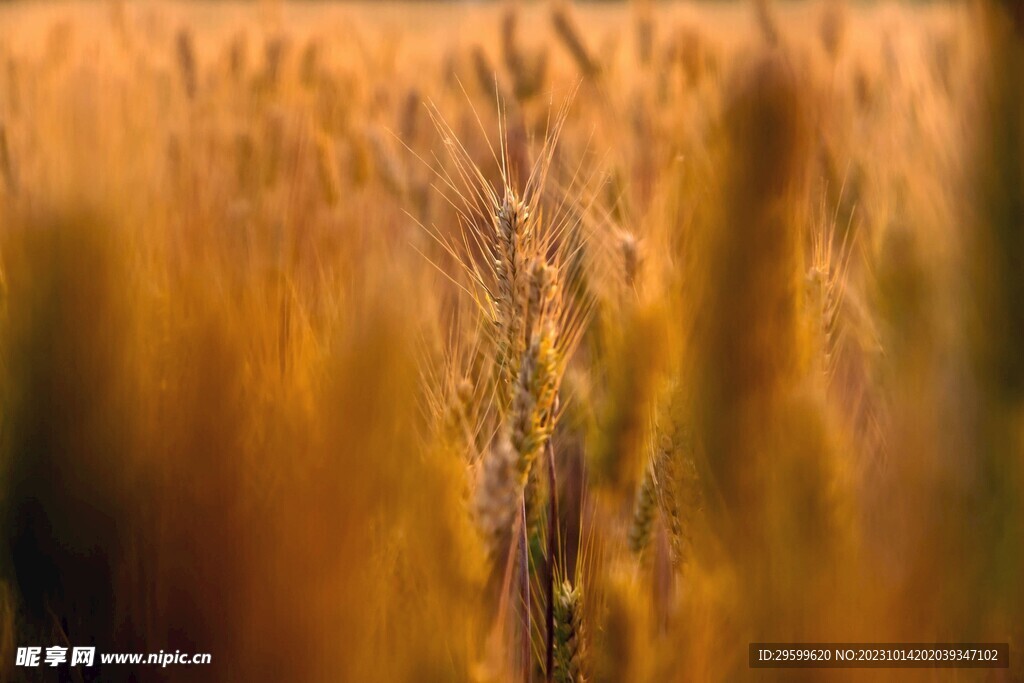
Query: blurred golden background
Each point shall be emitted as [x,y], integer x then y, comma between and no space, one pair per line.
[510,341]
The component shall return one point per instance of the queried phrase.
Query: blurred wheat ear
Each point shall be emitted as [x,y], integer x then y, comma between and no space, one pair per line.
[752,338]
[7,168]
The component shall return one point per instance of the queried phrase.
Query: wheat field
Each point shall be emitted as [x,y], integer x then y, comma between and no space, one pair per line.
[510,341]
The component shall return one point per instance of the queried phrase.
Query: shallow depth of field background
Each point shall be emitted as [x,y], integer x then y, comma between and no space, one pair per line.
[270,391]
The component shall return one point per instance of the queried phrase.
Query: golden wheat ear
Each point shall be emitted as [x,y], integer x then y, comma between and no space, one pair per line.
[512,255]
[569,607]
